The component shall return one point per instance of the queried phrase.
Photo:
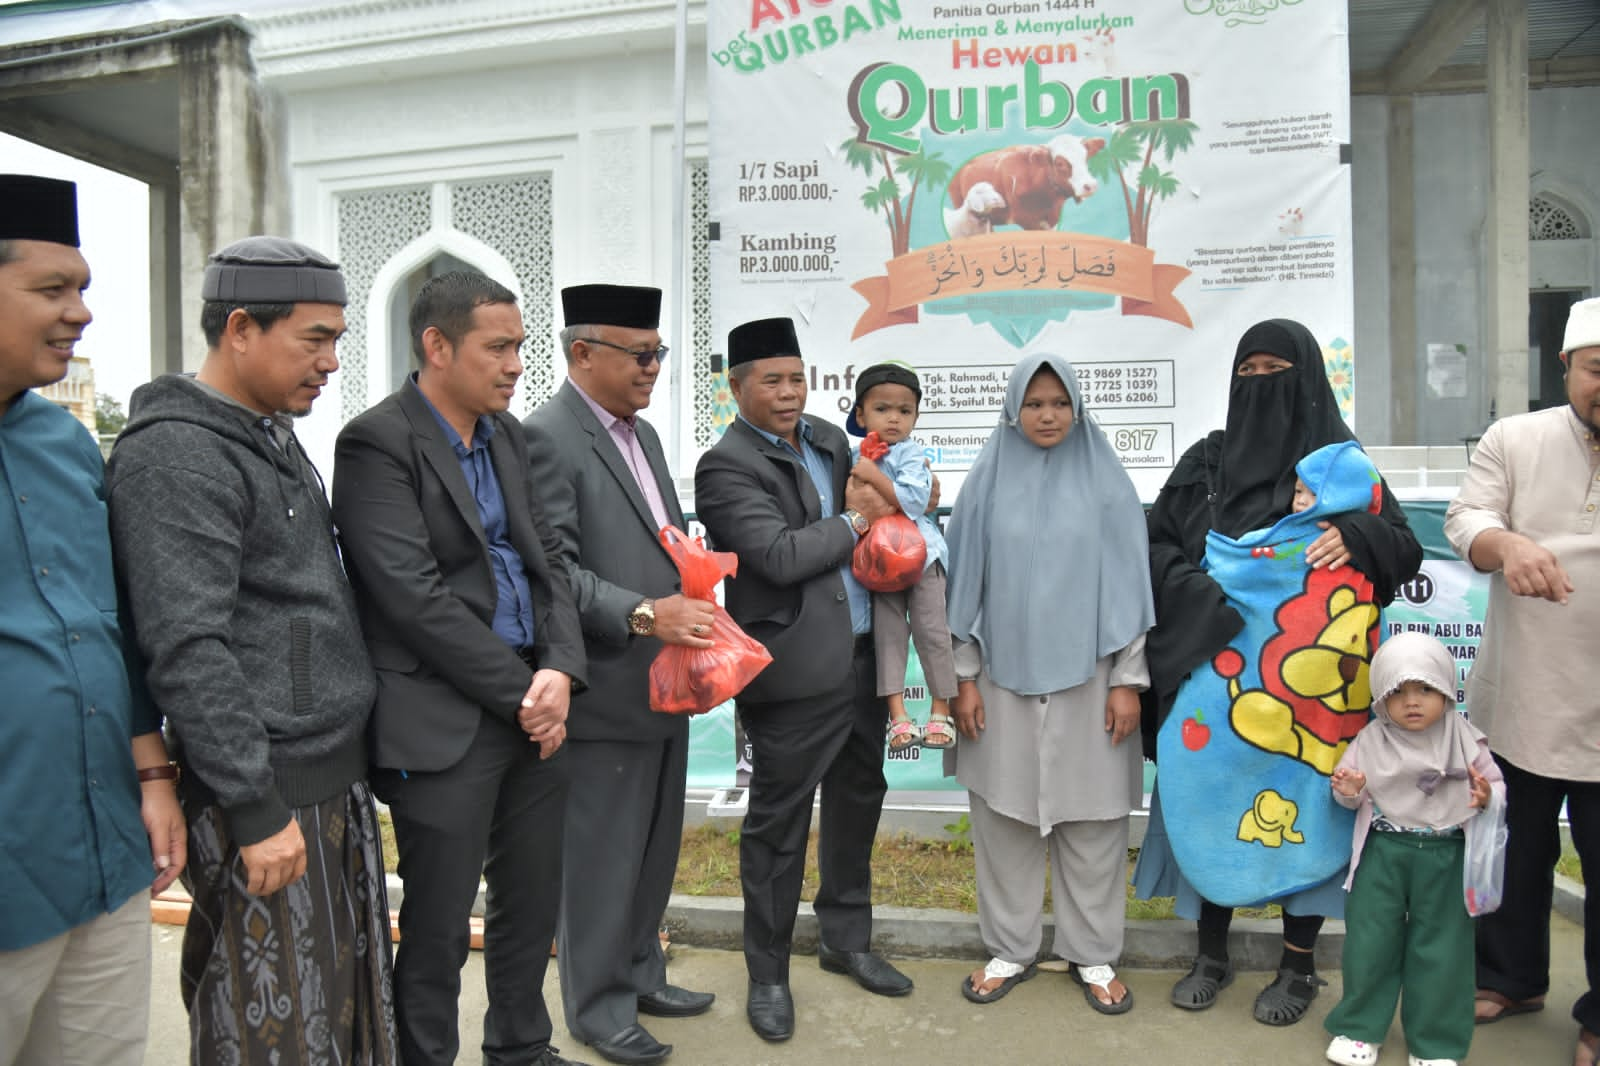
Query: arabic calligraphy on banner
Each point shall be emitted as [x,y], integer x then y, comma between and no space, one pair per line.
[1002,262]
[953,184]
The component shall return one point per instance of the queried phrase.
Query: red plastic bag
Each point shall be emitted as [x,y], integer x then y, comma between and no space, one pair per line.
[892,554]
[687,680]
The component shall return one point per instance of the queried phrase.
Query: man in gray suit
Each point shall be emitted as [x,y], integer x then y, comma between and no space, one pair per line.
[603,480]
[776,491]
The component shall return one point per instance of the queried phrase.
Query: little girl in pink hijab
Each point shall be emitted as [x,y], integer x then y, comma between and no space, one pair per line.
[1415,775]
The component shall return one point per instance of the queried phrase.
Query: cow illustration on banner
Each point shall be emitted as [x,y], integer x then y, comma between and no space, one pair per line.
[1001,247]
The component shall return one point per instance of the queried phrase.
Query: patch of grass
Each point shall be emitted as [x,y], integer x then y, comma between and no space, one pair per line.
[906,871]
[391,852]
[708,864]
[1567,865]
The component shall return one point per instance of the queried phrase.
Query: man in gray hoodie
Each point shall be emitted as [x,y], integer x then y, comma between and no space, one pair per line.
[225,543]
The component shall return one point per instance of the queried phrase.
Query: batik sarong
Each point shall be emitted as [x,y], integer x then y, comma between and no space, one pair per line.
[300,977]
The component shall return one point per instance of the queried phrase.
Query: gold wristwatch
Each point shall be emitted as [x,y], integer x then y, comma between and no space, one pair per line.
[857,520]
[642,619]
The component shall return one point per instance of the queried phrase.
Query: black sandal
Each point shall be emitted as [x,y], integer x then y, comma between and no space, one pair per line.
[1198,989]
[1285,1000]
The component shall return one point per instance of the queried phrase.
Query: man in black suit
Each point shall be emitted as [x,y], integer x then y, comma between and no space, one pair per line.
[606,490]
[468,614]
[775,490]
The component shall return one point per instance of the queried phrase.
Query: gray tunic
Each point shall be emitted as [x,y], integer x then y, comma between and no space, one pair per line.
[1048,759]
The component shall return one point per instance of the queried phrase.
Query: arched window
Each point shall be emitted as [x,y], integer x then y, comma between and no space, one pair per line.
[401,361]
[1551,220]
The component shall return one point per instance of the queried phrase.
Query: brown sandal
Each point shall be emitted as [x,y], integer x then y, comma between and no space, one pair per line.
[1507,1006]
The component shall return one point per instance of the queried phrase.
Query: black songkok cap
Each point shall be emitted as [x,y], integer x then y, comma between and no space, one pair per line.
[765,338]
[38,209]
[881,374]
[628,306]
[272,270]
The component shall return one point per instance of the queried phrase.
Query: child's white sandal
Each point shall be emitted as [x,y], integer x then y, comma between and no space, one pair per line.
[1348,1052]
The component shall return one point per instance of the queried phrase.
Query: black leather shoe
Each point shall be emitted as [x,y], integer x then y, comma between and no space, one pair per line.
[670,1001]
[632,1046]
[548,1056]
[771,1011]
[868,968]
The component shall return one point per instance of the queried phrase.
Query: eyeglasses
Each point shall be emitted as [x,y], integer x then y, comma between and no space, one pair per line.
[643,358]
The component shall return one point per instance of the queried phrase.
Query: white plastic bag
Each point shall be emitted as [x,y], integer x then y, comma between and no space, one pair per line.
[1483,868]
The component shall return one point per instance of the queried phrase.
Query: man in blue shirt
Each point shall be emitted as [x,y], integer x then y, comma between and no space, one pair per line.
[84,776]
[776,490]
[469,617]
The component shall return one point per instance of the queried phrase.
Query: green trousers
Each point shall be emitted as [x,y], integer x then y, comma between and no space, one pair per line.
[1408,937]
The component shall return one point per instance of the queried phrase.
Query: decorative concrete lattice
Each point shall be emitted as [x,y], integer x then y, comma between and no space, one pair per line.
[372,227]
[701,344]
[1550,221]
[512,216]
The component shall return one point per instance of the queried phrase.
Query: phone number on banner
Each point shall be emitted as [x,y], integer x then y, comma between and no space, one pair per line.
[1111,386]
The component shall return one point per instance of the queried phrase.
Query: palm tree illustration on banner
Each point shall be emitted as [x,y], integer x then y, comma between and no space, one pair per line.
[919,167]
[1135,145]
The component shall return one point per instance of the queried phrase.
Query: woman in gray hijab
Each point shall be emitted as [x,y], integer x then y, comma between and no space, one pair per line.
[1049,601]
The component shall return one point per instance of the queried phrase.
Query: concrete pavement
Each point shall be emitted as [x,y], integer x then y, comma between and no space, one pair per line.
[1043,1021]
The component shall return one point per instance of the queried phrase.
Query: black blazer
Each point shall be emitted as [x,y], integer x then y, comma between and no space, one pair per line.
[419,563]
[757,501]
[610,546]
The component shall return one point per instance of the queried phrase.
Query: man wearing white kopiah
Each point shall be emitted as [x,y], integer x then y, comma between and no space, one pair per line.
[1526,514]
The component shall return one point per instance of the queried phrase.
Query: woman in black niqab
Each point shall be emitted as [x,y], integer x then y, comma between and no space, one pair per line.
[1237,479]
[1241,478]
[1274,421]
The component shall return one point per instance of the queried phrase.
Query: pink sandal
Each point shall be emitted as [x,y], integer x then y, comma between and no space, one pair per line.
[903,734]
[939,732]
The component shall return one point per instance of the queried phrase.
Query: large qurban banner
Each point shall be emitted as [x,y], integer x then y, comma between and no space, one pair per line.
[1130,183]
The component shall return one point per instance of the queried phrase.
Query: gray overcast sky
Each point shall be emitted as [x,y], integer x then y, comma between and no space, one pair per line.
[113,224]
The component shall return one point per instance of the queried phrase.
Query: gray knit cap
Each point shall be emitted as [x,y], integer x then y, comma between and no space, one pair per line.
[272,270]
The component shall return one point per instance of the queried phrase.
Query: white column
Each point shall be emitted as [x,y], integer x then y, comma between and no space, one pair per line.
[1506,228]
[1402,274]
[227,161]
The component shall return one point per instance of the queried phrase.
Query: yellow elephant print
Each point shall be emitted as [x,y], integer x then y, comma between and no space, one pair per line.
[1270,821]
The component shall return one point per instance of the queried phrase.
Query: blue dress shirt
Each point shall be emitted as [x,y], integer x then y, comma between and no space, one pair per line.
[513,600]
